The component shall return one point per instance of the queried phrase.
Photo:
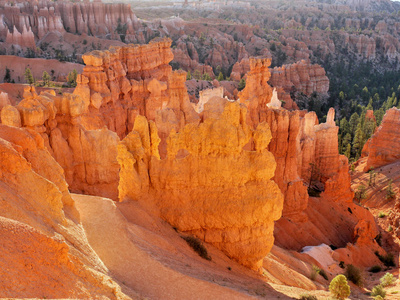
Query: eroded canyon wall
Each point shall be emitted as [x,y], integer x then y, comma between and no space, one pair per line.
[26,21]
[178,163]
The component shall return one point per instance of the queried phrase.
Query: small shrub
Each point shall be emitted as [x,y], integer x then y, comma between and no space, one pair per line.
[313,275]
[308,297]
[390,229]
[353,274]
[375,269]
[197,246]
[378,291]
[316,270]
[390,194]
[387,279]
[388,260]
[361,192]
[381,215]
[339,287]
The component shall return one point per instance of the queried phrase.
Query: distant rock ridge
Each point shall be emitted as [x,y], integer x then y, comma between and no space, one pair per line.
[92,18]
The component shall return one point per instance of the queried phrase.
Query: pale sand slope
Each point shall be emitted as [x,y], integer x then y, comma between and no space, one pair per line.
[147,257]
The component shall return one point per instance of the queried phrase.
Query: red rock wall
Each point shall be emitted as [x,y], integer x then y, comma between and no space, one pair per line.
[383,145]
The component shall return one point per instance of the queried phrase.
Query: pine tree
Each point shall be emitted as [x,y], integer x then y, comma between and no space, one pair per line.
[71,78]
[365,95]
[345,142]
[379,115]
[353,122]
[358,141]
[347,153]
[220,76]
[242,84]
[207,77]
[28,76]
[46,78]
[188,75]
[344,126]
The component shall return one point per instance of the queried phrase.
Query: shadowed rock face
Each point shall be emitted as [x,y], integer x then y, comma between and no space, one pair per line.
[208,185]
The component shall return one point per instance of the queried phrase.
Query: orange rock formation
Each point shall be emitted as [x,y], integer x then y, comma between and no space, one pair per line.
[115,87]
[382,148]
[178,163]
[208,185]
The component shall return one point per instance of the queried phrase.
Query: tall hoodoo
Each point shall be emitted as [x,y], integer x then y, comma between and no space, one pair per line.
[208,185]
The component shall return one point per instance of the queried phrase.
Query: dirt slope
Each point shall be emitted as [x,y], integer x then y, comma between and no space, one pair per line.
[148,257]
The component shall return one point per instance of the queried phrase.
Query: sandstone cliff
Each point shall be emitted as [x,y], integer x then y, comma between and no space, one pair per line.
[382,147]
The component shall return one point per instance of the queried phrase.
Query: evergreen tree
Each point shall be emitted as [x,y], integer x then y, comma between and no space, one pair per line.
[347,153]
[188,75]
[344,126]
[28,76]
[369,106]
[46,78]
[353,122]
[71,78]
[365,95]
[345,142]
[220,76]
[242,84]
[358,141]
[379,115]
[207,77]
